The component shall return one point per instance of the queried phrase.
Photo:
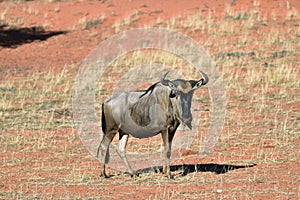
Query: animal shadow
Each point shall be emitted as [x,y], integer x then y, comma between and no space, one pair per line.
[191,168]
[11,37]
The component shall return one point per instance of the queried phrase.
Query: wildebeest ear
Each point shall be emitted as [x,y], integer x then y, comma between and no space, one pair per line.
[197,84]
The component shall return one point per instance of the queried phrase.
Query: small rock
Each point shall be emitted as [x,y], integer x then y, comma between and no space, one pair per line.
[219,191]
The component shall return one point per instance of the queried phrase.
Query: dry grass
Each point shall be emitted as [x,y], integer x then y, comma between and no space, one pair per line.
[40,102]
[43,157]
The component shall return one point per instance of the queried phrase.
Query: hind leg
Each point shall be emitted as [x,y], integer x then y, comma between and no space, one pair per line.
[103,149]
[122,153]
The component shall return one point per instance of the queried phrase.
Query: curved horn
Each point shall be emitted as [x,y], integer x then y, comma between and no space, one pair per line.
[205,77]
[164,76]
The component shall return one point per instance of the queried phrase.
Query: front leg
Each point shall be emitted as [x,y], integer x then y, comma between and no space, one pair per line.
[167,152]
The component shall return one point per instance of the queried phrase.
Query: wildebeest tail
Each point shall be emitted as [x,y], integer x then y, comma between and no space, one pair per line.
[103,127]
[103,120]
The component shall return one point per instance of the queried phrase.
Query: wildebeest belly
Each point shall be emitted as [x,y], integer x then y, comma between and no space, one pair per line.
[121,109]
[156,123]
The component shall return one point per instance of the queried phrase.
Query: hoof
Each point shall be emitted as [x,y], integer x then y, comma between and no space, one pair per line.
[167,173]
[132,174]
[104,175]
[170,176]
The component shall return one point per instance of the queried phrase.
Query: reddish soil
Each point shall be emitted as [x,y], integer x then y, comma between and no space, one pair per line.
[71,47]
[66,41]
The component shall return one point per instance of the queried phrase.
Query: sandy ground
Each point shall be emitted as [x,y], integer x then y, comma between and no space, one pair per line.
[46,39]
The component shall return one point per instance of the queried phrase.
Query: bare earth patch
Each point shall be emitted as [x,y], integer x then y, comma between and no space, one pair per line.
[255,45]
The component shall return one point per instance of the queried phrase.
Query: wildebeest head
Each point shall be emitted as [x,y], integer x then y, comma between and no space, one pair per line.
[182,91]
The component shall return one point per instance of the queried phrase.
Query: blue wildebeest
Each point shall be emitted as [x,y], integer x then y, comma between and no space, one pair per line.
[159,109]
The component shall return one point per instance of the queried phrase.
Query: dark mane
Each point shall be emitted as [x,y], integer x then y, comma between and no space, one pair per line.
[149,90]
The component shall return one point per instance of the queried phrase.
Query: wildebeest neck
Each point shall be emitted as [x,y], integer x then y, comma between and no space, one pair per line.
[146,107]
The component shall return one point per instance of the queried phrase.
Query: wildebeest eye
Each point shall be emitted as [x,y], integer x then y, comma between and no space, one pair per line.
[198,84]
[172,85]
[172,94]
